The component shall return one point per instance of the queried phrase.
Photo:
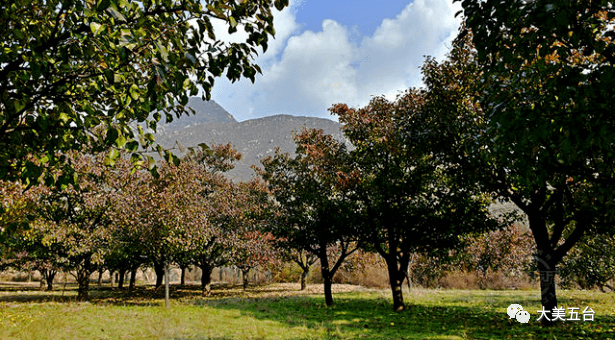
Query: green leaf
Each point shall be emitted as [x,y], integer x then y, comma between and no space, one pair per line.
[164,54]
[205,148]
[120,141]
[115,14]
[134,92]
[111,157]
[96,28]
[132,146]
[281,4]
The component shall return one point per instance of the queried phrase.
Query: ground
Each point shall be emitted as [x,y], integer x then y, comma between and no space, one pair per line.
[281,311]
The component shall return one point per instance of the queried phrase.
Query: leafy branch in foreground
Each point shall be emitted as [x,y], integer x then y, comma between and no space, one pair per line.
[69,66]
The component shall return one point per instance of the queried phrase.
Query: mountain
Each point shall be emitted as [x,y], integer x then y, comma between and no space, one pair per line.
[205,112]
[255,138]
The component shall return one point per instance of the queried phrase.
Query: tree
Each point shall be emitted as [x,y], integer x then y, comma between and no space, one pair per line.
[590,263]
[316,214]
[25,246]
[305,260]
[37,249]
[505,251]
[547,89]
[250,245]
[69,66]
[209,242]
[77,217]
[17,207]
[161,211]
[412,199]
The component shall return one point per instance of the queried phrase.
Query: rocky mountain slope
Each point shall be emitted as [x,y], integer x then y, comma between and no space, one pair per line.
[255,139]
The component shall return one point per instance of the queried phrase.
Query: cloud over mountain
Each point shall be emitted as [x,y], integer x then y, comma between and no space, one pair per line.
[305,73]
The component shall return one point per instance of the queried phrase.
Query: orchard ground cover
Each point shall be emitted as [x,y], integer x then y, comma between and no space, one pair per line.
[281,311]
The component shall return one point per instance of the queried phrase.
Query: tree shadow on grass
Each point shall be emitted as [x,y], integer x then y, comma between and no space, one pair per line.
[372,318]
[146,295]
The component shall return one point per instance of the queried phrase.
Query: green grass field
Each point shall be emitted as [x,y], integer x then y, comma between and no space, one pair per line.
[281,312]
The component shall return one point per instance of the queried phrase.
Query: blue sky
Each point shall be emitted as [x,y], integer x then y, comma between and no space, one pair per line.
[339,51]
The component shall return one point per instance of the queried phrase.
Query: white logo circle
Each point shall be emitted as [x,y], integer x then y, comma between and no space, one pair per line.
[513,310]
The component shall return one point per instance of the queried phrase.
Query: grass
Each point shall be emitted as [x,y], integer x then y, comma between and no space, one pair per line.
[270,312]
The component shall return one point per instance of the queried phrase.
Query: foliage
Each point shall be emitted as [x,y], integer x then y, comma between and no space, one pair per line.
[315,213]
[77,216]
[547,88]
[411,169]
[590,264]
[427,269]
[507,251]
[298,256]
[16,208]
[252,246]
[69,66]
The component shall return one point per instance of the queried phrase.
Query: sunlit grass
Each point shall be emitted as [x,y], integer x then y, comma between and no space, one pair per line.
[268,313]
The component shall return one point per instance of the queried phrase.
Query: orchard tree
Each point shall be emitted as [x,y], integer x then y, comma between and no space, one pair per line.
[209,242]
[25,246]
[128,240]
[252,249]
[163,209]
[316,214]
[305,260]
[547,88]
[36,248]
[411,198]
[505,251]
[77,216]
[251,245]
[68,66]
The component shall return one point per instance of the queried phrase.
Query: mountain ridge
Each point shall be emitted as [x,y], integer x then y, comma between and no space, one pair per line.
[254,138]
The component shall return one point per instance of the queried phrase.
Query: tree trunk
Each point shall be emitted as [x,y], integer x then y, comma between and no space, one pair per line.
[183,276]
[546,263]
[396,279]
[49,276]
[206,279]
[83,282]
[547,274]
[304,276]
[121,274]
[159,269]
[245,278]
[84,270]
[100,277]
[327,276]
[327,289]
[133,278]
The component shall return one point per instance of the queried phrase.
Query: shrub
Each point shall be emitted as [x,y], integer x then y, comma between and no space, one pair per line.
[590,264]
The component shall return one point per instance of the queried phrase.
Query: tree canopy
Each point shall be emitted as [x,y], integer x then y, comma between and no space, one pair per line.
[412,199]
[547,88]
[315,213]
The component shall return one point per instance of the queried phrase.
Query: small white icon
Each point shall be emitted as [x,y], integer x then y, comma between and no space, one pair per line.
[522,316]
[516,311]
[513,309]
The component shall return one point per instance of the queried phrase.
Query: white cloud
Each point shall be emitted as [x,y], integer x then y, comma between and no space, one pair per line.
[305,74]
